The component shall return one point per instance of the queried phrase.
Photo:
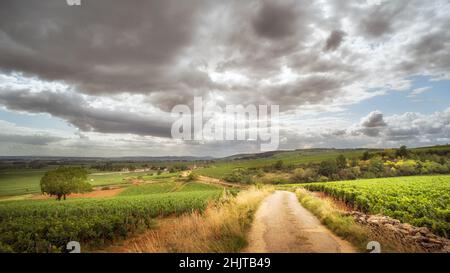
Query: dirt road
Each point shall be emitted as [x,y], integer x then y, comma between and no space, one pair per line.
[282,225]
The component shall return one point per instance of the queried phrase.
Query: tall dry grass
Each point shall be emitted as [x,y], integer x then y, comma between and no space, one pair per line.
[222,227]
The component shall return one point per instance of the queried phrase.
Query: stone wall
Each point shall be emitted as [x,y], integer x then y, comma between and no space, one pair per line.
[418,239]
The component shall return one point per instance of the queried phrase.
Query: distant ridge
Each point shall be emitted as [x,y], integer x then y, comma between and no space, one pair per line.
[125,158]
[242,156]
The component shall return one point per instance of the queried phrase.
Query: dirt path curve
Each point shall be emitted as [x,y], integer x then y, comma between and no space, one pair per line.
[282,225]
[210,180]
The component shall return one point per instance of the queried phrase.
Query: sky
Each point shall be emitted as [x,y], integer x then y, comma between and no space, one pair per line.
[101,79]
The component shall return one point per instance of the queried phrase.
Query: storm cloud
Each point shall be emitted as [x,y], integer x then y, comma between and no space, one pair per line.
[76,110]
[118,67]
[171,50]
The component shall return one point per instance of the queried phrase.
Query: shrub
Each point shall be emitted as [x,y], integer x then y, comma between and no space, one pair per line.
[327,168]
[304,175]
[341,162]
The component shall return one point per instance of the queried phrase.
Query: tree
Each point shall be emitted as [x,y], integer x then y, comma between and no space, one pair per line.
[64,181]
[402,152]
[365,155]
[341,162]
[278,165]
[388,153]
[376,166]
[327,168]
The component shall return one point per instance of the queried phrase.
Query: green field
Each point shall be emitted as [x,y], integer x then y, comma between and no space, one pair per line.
[28,225]
[18,182]
[47,225]
[418,200]
[114,178]
[220,169]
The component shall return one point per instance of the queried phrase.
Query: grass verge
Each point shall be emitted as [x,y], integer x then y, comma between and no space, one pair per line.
[343,226]
[221,228]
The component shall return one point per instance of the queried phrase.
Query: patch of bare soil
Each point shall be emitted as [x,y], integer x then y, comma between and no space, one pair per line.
[136,181]
[93,194]
[282,225]
[185,173]
[210,180]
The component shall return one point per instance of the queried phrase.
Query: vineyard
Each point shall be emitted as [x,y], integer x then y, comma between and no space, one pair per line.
[47,225]
[165,187]
[419,200]
[153,188]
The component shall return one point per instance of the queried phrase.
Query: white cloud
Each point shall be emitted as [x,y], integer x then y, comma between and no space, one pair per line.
[416,92]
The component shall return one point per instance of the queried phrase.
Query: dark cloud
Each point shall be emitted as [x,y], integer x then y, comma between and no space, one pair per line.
[381,19]
[371,125]
[428,51]
[165,49]
[103,46]
[261,35]
[76,110]
[275,20]
[308,90]
[334,40]
[171,50]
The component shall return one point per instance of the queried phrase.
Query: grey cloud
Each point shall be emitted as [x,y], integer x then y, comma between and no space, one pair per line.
[334,40]
[39,140]
[373,120]
[428,51]
[373,124]
[165,49]
[309,90]
[416,127]
[408,128]
[381,19]
[339,132]
[262,34]
[103,46]
[275,20]
[401,134]
[75,110]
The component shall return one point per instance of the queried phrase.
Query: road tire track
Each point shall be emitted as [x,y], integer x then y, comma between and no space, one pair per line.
[282,225]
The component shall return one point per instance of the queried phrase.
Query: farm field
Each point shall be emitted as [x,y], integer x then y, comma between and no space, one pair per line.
[20,182]
[221,169]
[417,200]
[140,202]
[17,182]
[47,225]
[165,187]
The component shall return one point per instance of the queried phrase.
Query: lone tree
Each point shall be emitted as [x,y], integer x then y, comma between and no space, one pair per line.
[64,181]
